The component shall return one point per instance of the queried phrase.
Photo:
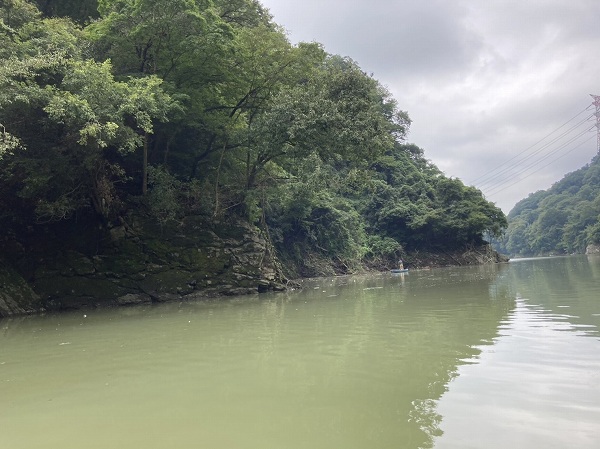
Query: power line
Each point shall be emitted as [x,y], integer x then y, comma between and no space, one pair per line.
[528,161]
[523,169]
[507,165]
[490,180]
[504,186]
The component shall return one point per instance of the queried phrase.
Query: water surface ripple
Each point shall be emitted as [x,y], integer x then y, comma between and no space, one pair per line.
[469,357]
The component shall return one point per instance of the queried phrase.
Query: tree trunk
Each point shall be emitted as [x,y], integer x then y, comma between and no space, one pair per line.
[217,202]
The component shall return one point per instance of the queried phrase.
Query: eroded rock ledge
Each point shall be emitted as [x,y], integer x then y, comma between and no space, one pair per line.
[142,262]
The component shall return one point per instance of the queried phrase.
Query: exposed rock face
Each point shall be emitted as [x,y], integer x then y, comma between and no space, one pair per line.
[484,254]
[476,255]
[16,297]
[142,263]
[593,249]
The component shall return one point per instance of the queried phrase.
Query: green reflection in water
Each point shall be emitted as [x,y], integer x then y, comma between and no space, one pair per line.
[344,363]
[566,286]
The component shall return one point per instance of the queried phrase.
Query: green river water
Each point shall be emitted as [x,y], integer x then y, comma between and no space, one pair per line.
[504,356]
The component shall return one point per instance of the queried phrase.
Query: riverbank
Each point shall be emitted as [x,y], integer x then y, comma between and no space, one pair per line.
[137,262]
[141,262]
[76,281]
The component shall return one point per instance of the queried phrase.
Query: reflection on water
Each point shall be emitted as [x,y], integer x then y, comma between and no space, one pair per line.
[537,386]
[350,362]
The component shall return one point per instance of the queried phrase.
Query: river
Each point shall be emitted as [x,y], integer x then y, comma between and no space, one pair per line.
[469,357]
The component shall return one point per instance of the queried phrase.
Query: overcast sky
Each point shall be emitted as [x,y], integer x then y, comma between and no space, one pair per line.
[497,89]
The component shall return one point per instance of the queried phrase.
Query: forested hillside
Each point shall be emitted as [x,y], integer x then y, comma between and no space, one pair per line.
[171,108]
[561,220]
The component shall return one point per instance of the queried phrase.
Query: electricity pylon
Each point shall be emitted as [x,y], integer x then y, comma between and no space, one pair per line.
[596,103]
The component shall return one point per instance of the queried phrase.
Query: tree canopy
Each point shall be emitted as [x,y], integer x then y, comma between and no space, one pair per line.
[205,107]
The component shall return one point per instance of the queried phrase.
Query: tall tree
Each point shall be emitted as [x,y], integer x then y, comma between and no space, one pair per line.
[243,13]
[78,10]
[340,113]
[68,121]
[156,36]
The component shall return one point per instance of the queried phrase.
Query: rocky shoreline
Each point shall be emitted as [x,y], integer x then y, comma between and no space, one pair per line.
[142,262]
[592,249]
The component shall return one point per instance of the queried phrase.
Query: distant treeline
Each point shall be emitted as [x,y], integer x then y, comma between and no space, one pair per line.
[564,219]
[176,107]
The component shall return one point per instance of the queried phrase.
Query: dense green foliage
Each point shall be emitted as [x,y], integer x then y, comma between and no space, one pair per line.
[561,220]
[204,107]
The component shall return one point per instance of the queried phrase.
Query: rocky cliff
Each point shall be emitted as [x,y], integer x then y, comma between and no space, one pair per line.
[142,262]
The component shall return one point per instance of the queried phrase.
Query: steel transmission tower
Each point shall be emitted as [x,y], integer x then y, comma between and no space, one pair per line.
[596,103]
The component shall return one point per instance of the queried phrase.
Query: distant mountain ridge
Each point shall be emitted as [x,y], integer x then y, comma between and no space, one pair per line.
[564,219]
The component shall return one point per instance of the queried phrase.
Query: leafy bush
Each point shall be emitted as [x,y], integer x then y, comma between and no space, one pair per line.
[383,250]
[164,199]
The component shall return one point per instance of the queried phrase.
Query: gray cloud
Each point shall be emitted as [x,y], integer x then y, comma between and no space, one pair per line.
[482,81]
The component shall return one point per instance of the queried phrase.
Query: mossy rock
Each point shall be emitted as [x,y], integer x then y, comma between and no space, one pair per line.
[248,270]
[195,259]
[121,265]
[143,259]
[171,281]
[234,231]
[131,247]
[95,290]
[134,299]
[159,250]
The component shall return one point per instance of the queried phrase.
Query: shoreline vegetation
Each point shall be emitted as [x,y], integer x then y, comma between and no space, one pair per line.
[158,149]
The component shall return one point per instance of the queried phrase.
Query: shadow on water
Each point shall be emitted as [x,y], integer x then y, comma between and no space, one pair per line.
[348,362]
